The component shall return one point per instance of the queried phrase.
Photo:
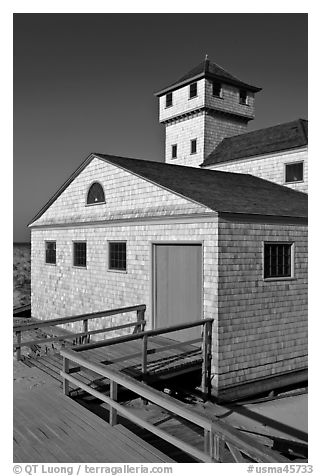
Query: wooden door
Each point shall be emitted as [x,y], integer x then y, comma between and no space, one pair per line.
[178,287]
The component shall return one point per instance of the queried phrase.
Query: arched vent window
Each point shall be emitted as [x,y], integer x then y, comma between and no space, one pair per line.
[95,194]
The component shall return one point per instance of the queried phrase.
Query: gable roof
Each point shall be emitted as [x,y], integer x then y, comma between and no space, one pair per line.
[285,136]
[222,192]
[209,70]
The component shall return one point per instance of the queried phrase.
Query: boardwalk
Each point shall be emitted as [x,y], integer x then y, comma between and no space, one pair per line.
[163,362]
[49,427]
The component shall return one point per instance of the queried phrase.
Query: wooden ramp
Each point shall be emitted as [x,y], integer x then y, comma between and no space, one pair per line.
[52,426]
[145,355]
[166,358]
[48,427]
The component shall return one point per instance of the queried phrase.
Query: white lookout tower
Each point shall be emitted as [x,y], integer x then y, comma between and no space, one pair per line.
[202,108]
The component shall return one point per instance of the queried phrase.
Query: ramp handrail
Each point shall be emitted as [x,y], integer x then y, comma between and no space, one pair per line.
[216,433]
[19,329]
[206,346]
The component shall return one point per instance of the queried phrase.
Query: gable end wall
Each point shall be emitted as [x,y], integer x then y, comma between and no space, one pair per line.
[126,196]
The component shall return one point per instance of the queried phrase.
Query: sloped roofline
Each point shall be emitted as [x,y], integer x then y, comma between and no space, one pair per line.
[62,188]
[205,73]
[210,158]
[193,178]
[104,158]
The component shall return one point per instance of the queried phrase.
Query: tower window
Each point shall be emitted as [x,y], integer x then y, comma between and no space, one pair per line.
[169,99]
[243,96]
[193,90]
[277,260]
[174,151]
[95,194]
[294,172]
[117,255]
[50,252]
[193,146]
[80,253]
[217,89]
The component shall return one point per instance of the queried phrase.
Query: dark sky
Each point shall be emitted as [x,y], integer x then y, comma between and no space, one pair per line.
[85,82]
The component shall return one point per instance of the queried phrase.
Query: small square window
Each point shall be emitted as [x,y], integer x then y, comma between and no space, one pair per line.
[294,172]
[50,252]
[243,96]
[174,151]
[80,253]
[277,260]
[193,146]
[117,255]
[217,89]
[169,99]
[193,90]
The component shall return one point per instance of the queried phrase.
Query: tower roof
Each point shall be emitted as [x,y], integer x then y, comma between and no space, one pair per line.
[207,69]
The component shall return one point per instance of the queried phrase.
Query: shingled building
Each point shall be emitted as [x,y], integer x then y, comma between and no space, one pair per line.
[190,242]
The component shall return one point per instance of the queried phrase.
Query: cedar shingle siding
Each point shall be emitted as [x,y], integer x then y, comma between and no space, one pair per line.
[259,327]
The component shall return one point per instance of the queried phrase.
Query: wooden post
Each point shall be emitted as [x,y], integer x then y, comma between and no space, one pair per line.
[18,349]
[65,383]
[85,329]
[144,355]
[207,441]
[141,319]
[144,362]
[113,396]
[206,360]
[216,448]
[209,358]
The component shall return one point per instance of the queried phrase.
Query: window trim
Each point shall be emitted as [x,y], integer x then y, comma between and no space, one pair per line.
[73,254]
[280,278]
[293,163]
[116,270]
[87,192]
[174,145]
[192,140]
[189,95]
[220,96]
[246,103]
[172,102]
[51,241]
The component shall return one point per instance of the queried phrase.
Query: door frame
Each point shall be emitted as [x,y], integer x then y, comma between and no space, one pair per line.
[153,245]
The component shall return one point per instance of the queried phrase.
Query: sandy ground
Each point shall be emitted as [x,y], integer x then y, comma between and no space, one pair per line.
[21,274]
[284,417]
[27,379]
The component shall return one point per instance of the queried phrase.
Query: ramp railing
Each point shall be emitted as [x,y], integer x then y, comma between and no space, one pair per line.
[206,340]
[220,439]
[84,336]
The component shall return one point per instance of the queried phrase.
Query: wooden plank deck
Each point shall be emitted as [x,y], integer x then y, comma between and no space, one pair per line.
[49,427]
[126,357]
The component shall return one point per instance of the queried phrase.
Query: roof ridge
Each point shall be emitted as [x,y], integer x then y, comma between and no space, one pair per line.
[265,128]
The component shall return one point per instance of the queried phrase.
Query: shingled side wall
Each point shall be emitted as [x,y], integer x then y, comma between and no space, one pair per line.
[270,167]
[262,324]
